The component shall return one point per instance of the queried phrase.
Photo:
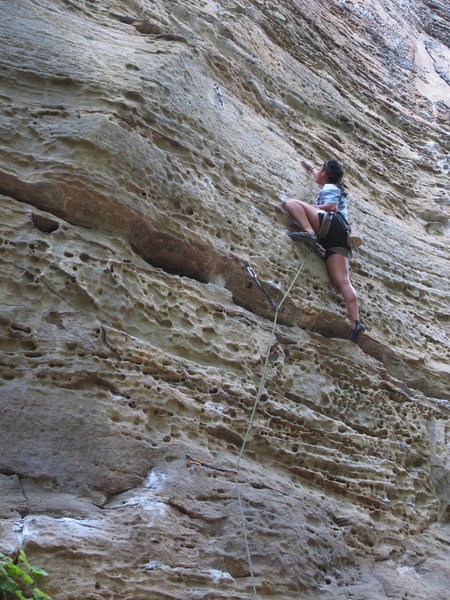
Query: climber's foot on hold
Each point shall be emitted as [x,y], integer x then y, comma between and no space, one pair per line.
[356,332]
[304,236]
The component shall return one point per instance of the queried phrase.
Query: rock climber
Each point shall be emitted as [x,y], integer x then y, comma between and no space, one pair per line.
[329,213]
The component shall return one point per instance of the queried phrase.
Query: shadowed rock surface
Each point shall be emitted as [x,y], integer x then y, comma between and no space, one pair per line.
[131,334]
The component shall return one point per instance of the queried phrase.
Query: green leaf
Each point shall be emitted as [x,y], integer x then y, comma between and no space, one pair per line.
[38,571]
[20,595]
[9,585]
[24,559]
[3,572]
[27,578]
[38,594]
[16,571]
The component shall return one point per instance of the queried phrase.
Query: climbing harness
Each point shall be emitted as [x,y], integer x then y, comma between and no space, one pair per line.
[325,225]
[252,274]
[341,250]
[201,463]
[219,96]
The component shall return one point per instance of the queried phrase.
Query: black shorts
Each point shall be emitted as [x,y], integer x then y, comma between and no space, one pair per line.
[336,236]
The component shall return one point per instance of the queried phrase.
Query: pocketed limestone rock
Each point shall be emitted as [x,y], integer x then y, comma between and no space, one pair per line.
[132,334]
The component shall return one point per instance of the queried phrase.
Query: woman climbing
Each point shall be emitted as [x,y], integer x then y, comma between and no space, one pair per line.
[326,223]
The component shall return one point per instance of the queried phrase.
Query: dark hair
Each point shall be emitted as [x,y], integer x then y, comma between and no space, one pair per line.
[335,174]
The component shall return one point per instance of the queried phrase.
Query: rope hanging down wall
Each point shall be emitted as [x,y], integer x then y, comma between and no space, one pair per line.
[260,389]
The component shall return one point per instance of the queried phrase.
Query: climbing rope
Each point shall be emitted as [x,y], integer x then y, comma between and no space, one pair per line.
[253,412]
[260,388]
[266,361]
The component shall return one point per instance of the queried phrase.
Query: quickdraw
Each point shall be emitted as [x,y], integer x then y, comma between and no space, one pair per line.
[200,463]
[254,276]
[219,96]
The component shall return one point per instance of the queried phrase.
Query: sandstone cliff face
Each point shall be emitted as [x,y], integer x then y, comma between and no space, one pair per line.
[132,335]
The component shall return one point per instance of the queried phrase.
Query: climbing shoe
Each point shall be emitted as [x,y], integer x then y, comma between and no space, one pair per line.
[356,332]
[304,236]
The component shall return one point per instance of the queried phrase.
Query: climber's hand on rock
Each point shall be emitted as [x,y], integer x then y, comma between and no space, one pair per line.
[307,165]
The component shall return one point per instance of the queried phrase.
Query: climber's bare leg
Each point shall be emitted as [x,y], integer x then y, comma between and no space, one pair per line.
[304,214]
[338,267]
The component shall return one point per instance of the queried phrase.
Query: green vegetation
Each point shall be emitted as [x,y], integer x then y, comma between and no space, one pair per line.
[17,579]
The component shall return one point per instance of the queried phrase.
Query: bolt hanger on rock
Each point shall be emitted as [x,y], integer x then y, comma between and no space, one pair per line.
[219,96]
